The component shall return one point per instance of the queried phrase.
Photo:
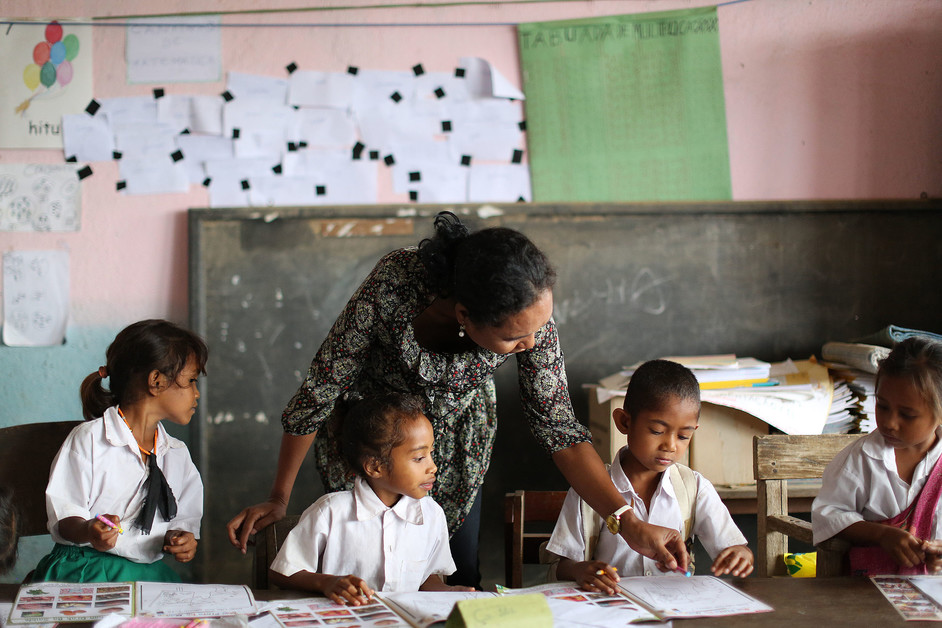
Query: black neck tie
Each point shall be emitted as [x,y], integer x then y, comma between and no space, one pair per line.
[157,496]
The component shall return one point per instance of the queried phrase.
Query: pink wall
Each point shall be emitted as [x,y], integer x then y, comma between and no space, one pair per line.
[825,99]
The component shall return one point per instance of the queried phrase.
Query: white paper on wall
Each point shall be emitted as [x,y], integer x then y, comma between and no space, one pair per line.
[35,298]
[40,197]
[87,138]
[48,74]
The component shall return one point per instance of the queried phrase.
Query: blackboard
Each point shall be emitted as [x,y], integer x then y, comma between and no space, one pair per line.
[636,281]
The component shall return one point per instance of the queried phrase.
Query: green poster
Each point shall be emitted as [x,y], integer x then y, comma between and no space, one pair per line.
[626,108]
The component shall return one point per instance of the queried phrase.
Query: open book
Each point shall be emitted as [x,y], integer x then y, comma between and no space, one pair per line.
[55,602]
[915,598]
[671,597]
[640,599]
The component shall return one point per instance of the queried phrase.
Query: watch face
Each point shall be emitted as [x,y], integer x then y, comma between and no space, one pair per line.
[613,523]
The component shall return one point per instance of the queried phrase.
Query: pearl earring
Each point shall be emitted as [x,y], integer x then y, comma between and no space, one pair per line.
[461,331]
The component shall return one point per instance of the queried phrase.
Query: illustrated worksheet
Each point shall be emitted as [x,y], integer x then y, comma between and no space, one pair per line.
[49,602]
[697,596]
[319,612]
[163,599]
[913,597]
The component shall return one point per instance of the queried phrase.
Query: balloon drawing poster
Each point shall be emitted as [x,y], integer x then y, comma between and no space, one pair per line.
[49,73]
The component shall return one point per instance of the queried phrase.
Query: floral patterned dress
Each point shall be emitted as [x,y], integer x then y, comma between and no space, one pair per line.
[372,348]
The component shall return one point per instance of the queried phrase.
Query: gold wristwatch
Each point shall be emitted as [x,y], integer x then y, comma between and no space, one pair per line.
[613,521]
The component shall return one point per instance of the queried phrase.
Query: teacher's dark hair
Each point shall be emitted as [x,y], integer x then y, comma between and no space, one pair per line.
[494,272]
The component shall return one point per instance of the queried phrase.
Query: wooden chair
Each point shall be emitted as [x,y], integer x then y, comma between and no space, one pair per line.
[267,544]
[522,544]
[776,459]
[26,455]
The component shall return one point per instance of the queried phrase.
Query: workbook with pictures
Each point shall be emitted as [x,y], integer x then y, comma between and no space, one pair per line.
[59,602]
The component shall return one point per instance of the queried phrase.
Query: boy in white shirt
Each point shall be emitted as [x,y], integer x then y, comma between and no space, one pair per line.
[661,413]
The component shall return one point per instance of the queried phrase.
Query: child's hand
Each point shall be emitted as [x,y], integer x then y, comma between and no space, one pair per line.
[347,590]
[458,587]
[181,545]
[905,548]
[933,550]
[736,560]
[102,536]
[596,575]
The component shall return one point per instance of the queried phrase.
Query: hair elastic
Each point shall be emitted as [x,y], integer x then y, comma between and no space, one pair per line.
[103,372]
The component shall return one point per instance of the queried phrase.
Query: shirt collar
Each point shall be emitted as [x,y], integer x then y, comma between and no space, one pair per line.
[623,484]
[369,505]
[875,447]
[118,433]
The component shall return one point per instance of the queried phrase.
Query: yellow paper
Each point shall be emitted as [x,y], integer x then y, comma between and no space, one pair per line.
[518,611]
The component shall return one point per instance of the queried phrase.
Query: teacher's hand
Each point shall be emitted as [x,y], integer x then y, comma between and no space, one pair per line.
[252,519]
[663,545]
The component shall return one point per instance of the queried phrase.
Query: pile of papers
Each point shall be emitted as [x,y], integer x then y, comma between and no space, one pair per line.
[794,396]
[718,371]
[856,409]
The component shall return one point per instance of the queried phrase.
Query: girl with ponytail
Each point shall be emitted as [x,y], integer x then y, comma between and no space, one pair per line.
[122,492]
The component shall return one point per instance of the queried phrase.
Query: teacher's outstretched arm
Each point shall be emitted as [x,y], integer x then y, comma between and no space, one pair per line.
[587,475]
[255,518]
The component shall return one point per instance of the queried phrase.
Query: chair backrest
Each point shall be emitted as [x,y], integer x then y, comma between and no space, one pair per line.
[26,455]
[267,544]
[776,459]
[521,543]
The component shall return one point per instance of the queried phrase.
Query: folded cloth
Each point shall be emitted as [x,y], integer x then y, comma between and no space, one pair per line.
[890,335]
[860,356]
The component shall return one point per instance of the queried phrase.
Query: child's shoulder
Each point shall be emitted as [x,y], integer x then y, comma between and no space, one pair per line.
[432,507]
[333,501]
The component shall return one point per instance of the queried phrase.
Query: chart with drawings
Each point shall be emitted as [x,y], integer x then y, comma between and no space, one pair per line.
[698,596]
[156,599]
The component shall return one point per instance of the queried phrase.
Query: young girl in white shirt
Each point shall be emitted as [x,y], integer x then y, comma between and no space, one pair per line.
[660,415]
[122,492]
[882,492]
[386,534]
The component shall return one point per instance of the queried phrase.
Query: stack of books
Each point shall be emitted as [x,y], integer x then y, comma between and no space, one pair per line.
[853,368]
[721,371]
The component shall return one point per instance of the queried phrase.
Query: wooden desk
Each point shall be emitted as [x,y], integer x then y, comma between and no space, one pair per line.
[826,602]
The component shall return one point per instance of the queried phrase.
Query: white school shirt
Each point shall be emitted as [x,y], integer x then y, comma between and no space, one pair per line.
[99,470]
[861,483]
[354,532]
[713,525]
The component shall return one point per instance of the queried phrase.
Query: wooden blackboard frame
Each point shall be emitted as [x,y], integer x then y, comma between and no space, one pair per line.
[636,281]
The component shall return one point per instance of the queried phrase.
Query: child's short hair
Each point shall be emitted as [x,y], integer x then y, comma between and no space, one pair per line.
[9,529]
[138,349]
[656,383]
[372,426]
[918,359]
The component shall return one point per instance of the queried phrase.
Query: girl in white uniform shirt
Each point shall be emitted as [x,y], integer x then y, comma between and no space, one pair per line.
[386,534]
[661,413]
[121,466]
[882,492]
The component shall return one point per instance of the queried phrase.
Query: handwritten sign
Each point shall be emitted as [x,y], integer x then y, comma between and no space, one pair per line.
[174,50]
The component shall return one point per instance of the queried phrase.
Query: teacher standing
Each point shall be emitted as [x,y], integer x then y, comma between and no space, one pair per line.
[436,321]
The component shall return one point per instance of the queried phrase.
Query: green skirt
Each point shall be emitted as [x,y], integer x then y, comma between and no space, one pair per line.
[73,563]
